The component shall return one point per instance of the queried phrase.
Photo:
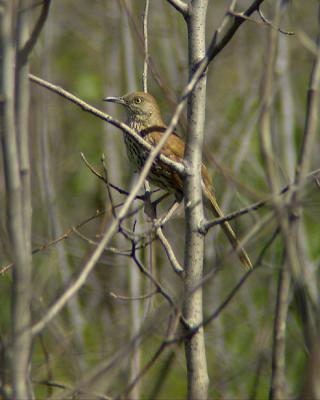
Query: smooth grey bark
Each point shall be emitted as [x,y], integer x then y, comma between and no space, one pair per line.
[287,106]
[194,244]
[290,221]
[17,181]
[50,198]
[278,379]
[22,283]
[134,276]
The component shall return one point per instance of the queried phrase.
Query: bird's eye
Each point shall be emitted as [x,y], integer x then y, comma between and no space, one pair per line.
[138,100]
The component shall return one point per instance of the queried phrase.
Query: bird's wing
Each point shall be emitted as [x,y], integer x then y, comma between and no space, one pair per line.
[173,149]
[174,146]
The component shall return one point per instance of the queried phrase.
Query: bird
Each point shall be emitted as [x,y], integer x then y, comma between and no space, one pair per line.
[144,116]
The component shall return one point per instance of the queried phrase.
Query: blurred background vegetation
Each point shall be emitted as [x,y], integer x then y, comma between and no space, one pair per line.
[95,49]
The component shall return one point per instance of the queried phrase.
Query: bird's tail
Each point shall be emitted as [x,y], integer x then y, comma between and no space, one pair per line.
[214,206]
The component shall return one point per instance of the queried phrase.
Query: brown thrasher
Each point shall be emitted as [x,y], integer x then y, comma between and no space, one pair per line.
[145,118]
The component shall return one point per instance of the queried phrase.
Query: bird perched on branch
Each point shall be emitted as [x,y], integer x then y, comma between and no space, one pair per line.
[143,115]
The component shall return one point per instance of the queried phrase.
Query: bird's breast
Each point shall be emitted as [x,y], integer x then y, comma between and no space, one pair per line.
[159,175]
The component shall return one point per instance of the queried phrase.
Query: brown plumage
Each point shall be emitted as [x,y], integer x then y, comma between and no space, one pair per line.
[143,115]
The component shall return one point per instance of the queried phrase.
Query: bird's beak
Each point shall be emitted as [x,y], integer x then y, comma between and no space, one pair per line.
[118,100]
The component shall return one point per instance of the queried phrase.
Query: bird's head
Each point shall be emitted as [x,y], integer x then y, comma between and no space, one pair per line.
[142,109]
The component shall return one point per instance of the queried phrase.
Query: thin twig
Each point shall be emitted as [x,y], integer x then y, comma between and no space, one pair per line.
[142,297]
[278,382]
[180,6]
[77,283]
[220,40]
[253,207]
[113,207]
[151,278]
[171,329]
[23,53]
[53,384]
[169,251]
[113,250]
[146,47]
[214,48]
[233,292]
[266,21]
[96,173]
[146,368]
[14,100]
[122,126]
[84,238]
[311,121]
[97,372]
[307,42]
[64,236]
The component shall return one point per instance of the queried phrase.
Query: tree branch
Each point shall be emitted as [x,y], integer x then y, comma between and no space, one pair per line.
[146,47]
[29,45]
[180,6]
[253,207]
[18,219]
[278,383]
[80,280]
[94,111]
[197,370]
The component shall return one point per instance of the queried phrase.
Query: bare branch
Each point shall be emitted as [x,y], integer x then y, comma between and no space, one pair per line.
[18,201]
[29,45]
[97,174]
[172,327]
[266,21]
[146,47]
[278,383]
[255,206]
[113,207]
[243,279]
[78,282]
[220,39]
[64,236]
[92,110]
[53,384]
[311,121]
[180,6]
[153,280]
[263,22]
[144,370]
[232,293]
[195,349]
[307,42]
[225,33]
[169,251]
[142,297]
